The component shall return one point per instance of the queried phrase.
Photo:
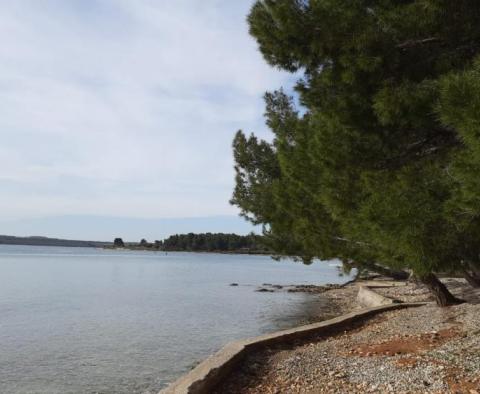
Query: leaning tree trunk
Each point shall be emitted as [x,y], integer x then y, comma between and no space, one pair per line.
[442,295]
[472,278]
[397,275]
[475,268]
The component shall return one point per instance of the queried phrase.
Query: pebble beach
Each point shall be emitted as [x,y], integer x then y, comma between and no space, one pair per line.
[423,349]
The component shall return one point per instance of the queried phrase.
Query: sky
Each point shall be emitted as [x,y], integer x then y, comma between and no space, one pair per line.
[115,113]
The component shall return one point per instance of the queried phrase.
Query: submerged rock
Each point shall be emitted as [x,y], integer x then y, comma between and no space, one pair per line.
[264,290]
[313,288]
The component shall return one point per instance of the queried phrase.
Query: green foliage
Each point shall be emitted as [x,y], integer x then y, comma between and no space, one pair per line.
[118,243]
[219,242]
[381,164]
[458,108]
[257,172]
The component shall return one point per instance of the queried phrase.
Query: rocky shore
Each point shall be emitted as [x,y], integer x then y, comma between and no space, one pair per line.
[425,349]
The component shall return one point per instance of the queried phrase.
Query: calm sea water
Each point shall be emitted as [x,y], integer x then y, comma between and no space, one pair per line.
[81,320]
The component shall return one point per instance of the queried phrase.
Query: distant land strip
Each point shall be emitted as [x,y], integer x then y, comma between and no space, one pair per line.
[203,242]
[45,241]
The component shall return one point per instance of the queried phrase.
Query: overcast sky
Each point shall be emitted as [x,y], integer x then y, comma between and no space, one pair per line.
[124,108]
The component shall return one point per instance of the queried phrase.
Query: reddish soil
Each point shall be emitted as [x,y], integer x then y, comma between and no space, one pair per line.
[407,344]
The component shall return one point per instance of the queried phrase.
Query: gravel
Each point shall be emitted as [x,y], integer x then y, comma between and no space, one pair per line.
[424,349]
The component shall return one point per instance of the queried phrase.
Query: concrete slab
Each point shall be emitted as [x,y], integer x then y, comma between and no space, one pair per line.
[368,298]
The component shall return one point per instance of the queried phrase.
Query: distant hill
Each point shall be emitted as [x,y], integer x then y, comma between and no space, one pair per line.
[45,241]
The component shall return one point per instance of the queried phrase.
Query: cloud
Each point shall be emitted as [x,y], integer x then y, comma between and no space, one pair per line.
[125,107]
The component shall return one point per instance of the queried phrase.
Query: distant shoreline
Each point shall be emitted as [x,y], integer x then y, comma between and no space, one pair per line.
[45,241]
[146,249]
[57,242]
[247,248]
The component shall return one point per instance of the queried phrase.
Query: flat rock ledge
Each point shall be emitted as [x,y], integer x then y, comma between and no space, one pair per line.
[270,288]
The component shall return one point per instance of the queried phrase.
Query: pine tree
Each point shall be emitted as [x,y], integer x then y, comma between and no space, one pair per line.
[380,164]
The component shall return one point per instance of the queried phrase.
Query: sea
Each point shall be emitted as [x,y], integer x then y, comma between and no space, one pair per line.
[86,320]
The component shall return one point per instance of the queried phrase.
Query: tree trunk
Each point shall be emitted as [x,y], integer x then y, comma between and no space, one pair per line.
[475,268]
[472,278]
[357,276]
[397,275]
[442,295]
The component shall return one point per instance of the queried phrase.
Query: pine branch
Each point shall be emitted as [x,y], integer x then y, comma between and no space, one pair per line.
[444,138]
[414,43]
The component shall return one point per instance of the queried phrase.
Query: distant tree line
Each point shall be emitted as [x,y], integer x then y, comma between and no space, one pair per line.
[205,242]
[209,242]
